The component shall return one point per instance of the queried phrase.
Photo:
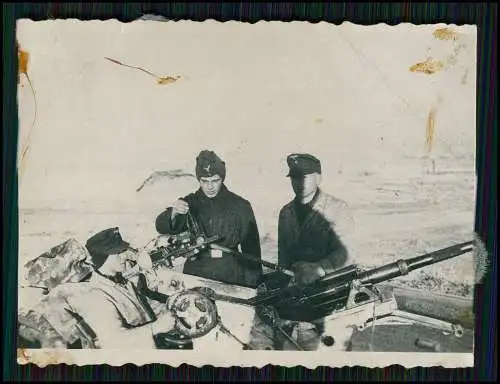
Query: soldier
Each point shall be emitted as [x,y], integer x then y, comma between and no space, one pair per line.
[311,233]
[221,212]
[107,309]
[311,228]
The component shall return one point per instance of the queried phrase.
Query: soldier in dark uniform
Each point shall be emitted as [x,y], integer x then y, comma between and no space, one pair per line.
[312,232]
[313,226]
[221,212]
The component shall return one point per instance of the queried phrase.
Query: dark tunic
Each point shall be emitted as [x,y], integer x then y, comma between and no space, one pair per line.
[314,232]
[303,210]
[229,216]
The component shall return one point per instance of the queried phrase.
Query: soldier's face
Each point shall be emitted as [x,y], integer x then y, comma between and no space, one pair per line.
[116,263]
[211,185]
[305,185]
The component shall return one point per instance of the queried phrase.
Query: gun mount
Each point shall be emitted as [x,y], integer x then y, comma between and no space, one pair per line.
[347,287]
[348,293]
[346,296]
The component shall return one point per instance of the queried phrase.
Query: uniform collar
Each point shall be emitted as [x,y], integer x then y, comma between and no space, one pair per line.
[117,279]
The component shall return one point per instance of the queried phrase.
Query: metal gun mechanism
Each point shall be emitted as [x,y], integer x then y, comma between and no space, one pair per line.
[369,306]
[362,295]
[196,314]
[184,244]
[399,317]
[347,297]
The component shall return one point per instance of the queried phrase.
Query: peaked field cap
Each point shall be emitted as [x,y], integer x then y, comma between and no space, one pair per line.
[302,164]
[107,242]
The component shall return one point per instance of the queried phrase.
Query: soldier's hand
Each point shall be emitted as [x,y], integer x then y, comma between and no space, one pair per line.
[152,280]
[164,323]
[180,207]
[307,273]
[144,260]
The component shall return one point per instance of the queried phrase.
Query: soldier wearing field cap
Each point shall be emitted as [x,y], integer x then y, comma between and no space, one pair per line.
[108,310]
[108,248]
[217,211]
[311,233]
[311,227]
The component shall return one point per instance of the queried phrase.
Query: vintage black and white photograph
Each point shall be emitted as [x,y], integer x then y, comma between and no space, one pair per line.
[246,194]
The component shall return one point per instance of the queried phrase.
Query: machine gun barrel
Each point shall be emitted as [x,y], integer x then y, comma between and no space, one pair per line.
[332,291]
[405,266]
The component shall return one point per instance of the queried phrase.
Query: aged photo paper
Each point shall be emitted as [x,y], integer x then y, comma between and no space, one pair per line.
[236,194]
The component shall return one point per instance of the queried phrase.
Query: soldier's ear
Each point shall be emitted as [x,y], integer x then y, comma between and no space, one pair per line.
[318,178]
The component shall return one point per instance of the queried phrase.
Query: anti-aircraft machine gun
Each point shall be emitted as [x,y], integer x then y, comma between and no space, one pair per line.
[348,295]
[180,245]
[187,244]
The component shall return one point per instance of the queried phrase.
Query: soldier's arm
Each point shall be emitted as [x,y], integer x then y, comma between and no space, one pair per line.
[337,258]
[284,259]
[166,225]
[250,240]
[250,245]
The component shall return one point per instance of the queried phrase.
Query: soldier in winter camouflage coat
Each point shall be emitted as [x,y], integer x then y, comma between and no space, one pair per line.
[102,309]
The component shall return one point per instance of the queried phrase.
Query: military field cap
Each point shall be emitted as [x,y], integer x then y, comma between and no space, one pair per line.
[105,243]
[208,164]
[302,164]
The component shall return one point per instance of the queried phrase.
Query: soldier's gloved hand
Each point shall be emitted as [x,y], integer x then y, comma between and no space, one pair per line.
[307,273]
